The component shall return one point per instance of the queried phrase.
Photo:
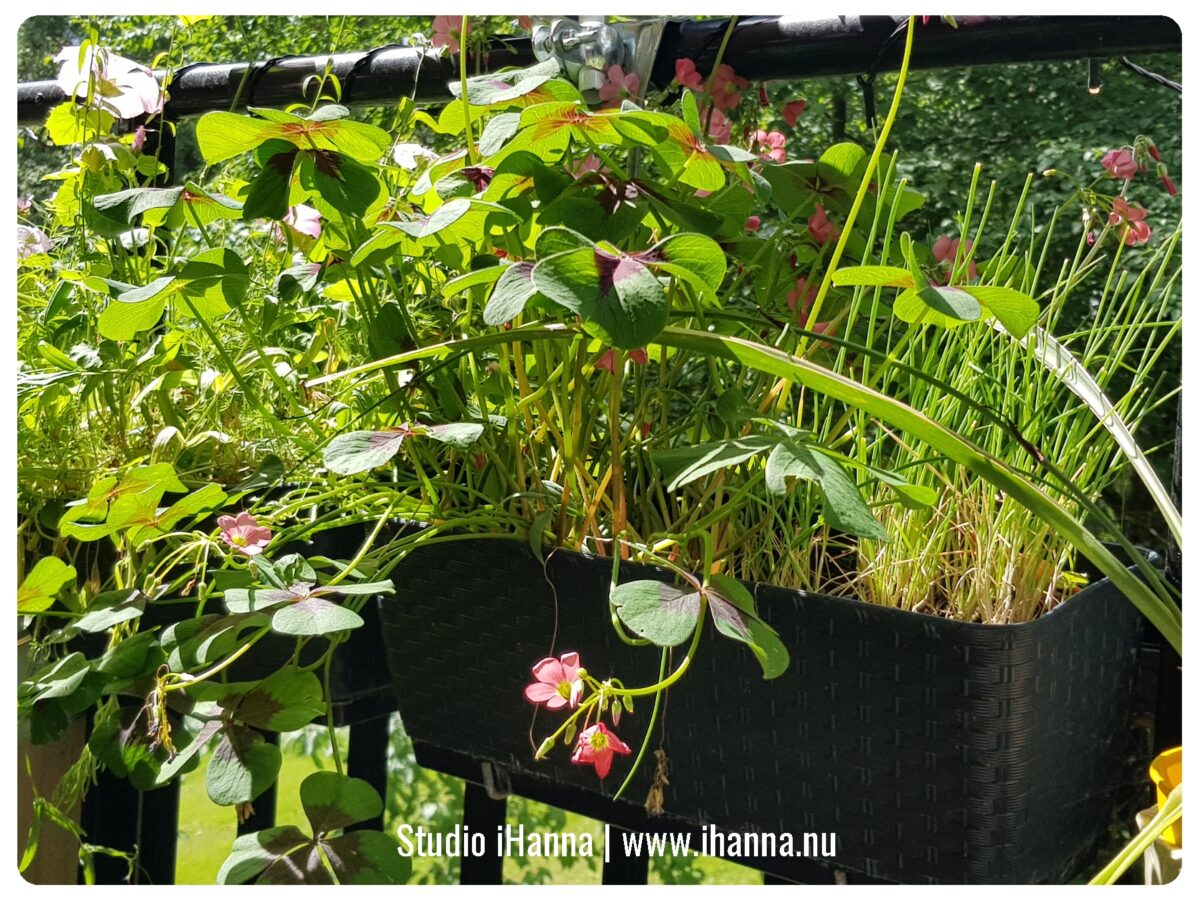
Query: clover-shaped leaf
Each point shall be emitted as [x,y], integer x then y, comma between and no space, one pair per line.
[242,767]
[658,612]
[617,296]
[286,855]
[301,610]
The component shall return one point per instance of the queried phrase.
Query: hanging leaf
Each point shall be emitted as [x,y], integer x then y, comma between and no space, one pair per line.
[735,616]
[498,131]
[269,194]
[658,612]
[109,609]
[314,617]
[346,186]
[288,699]
[697,259]
[136,310]
[286,855]
[458,434]
[213,281]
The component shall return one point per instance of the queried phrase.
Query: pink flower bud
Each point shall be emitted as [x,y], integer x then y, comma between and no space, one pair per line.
[1167,183]
[1120,163]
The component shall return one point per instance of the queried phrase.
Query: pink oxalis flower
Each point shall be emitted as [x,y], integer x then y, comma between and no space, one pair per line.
[726,88]
[720,129]
[618,86]
[304,220]
[945,249]
[1120,163]
[1134,218]
[803,297]
[753,223]
[820,228]
[525,22]
[608,361]
[31,241]
[596,746]
[589,163]
[686,74]
[446,32]
[122,87]
[771,145]
[557,682]
[244,533]
[792,111]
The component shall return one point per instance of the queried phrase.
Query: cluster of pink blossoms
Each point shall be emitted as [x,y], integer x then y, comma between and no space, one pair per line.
[1125,164]
[560,682]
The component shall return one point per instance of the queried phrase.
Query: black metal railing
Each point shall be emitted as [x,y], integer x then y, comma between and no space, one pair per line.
[760,48]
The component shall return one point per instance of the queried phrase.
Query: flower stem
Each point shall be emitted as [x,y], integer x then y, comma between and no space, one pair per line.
[218,668]
[472,151]
[863,188]
[329,725]
[683,666]
[637,762]
[712,76]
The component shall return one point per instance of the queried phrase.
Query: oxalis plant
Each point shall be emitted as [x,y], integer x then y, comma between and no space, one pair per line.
[626,324]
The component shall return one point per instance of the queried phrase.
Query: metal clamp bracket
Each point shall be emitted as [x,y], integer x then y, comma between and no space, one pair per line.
[587,47]
[495,781]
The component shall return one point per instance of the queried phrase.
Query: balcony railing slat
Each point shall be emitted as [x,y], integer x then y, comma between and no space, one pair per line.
[621,869]
[368,760]
[483,814]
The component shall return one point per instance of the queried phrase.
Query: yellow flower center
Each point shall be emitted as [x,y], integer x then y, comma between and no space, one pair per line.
[564,689]
[598,740]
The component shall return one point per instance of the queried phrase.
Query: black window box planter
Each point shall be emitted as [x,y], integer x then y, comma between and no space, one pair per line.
[936,750]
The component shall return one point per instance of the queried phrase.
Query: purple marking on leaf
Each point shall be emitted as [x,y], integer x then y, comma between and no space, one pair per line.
[627,268]
[282,162]
[725,612]
[652,255]
[327,163]
[480,176]
[386,439]
[606,268]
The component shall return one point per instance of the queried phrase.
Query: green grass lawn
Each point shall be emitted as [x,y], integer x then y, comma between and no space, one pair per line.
[206,832]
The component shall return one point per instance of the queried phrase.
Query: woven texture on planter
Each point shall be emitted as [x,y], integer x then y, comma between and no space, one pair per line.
[937,751]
